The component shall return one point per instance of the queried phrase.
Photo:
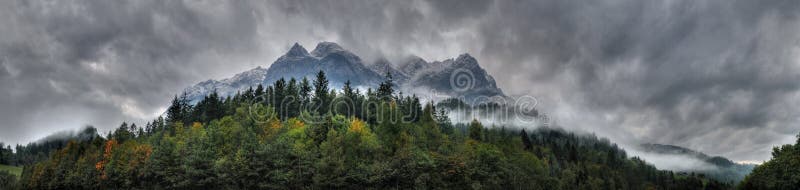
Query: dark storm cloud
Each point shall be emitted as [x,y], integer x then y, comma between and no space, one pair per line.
[70,63]
[677,72]
[717,76]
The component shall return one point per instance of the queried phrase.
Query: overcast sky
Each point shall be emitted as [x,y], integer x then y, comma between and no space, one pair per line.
[718,76]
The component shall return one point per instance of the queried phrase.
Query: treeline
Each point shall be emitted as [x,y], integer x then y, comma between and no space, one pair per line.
[780,172]
[37,151]
[328,139]
[6,155]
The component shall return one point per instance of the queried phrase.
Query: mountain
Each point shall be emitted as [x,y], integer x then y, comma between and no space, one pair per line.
[227,87]
[414,64]
[724,169]
[383,66]
[672,149]
[338,64]
[460,77]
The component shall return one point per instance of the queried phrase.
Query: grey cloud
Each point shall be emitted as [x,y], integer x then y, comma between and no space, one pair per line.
[716,76]
[101,63]
[688,69]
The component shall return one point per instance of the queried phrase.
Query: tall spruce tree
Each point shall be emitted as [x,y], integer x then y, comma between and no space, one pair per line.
[279,96]
[305,90]
[526,140]
[179,110]
[346,104]
[386,89]
[475,130]
[292,99]
[321,92]
[259,91]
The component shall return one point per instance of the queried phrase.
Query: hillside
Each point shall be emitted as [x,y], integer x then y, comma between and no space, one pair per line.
[242,143]
[719,168]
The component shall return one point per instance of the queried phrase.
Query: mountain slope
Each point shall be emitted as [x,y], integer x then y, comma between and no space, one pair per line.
[338,64]
[383,66]
[227,87]
[460,77]
[723,169]
[239,151]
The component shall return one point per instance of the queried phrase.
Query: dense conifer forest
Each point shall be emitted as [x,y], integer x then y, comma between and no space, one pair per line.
[367,140]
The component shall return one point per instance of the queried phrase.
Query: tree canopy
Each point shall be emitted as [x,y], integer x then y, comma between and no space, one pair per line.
[241,142]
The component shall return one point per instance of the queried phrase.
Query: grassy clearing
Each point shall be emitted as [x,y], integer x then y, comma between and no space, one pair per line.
[12,169]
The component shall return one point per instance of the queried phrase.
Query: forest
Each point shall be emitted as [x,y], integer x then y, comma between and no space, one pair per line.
[780,172]
[319,138]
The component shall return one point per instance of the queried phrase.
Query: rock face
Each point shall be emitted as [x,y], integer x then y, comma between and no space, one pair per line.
[382,66]
[460,77]
[338,64]
[227,87]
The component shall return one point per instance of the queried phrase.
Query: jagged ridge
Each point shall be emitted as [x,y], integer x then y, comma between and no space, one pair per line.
[340,65]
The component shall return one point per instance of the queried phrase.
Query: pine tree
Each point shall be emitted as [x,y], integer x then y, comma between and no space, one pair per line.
[321,92]
[305,90]
[179,109]
[292,99]
[210,108]
[279,97]
[164,170]
[249,94]
[347,104]
[259,91]
[476,130]
[123,133]
[526,140]
[348,90]
[385,90]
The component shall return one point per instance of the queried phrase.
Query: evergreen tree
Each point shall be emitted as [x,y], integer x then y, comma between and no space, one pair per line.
[348,90]
[279,97]
[321,97]
[6,154]
[292,100]
[476,130]
[179,110]
[259,91]
[347,104]
[526,140]
[123,133]
[210,108]
[305,91]
[386,90]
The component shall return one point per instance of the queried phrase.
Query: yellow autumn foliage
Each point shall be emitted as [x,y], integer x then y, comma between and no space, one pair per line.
[270,128]
[295,123]
[356,126]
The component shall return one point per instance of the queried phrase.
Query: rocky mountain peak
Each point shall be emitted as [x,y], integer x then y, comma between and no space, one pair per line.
[325,48]
[382,66]
[341,65]
[466,60]
[297,50]
[413,64]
